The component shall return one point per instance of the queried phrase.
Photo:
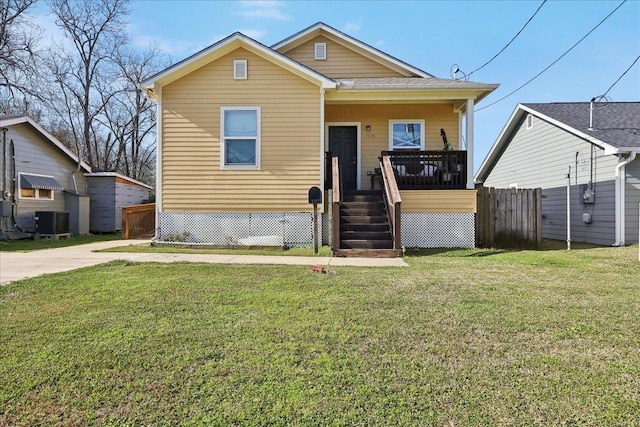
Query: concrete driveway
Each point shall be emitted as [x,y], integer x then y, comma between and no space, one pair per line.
[21,265]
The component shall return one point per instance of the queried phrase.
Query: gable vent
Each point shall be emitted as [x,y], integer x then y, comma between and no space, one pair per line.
[320,51]
[240,69]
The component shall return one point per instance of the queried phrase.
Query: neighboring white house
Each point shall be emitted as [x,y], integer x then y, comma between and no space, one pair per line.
[596,144]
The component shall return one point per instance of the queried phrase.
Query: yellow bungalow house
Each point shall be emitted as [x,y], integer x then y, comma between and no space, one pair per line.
[245,130]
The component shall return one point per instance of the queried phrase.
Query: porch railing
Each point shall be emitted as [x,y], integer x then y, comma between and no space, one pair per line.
[429,170]
[337,201]
[392,199]
[138,220]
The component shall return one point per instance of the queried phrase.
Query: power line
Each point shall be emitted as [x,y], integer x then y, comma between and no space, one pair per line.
[511,41]
[554,62]
[626,71]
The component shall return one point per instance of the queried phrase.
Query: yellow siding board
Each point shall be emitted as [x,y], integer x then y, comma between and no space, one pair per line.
[341,62]
[439,201]
[436,117]
[290,139]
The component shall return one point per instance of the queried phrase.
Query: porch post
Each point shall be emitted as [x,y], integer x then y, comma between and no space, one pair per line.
[469,134]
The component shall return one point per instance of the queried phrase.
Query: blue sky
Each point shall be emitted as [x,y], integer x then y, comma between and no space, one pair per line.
[433,36]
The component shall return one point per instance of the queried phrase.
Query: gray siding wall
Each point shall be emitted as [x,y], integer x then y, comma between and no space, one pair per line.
[37,155]
[601,231]
[632,190]
[102,191]
[539,157]
[108,197]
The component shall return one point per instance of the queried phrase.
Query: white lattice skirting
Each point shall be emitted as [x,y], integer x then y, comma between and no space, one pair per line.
[230,229]
[438,230]
[419,230]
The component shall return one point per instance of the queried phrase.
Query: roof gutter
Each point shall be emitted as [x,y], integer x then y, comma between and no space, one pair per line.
[620,180]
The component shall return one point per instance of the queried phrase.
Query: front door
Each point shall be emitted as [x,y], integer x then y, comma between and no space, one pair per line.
[343,142]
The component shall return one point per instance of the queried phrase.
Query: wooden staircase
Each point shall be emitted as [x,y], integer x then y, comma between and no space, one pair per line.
[364,226]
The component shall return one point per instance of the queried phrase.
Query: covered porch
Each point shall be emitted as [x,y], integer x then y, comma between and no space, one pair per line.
[400,175]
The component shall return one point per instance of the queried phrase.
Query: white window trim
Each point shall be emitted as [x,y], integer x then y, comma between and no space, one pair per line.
[223,160]
[320,51]
[240,64]
[406,121]
[36,190]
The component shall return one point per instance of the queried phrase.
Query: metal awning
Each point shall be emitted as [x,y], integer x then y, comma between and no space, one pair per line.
[39,182]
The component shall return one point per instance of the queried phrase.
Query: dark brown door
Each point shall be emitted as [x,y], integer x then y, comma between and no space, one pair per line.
[343,142]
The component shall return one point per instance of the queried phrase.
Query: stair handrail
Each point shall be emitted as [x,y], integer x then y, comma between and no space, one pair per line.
[337,200]
[392,199]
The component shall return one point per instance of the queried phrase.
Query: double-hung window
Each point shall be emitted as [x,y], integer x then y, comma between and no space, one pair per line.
[406,135]
[240,137]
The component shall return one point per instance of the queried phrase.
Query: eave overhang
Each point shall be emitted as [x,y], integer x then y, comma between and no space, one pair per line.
[224,47]
[347,41]
[514,123]
[52,139]
[412,90]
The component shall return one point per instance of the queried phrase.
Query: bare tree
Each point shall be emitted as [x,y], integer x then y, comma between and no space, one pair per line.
[130,116]
[18,54]
[84,73]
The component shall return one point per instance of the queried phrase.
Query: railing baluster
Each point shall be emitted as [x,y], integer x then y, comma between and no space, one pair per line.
[429,170]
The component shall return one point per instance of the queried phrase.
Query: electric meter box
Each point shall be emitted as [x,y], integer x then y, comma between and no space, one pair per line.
[587,194]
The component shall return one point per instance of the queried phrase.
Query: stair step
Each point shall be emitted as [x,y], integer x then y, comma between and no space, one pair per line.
[368,253]
[362,205]
[365,235]
[363,196]
[362,212]
[365,227]
[363,219]
[366,244]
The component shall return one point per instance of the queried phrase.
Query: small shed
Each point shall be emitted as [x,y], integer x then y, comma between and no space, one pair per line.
[110,192]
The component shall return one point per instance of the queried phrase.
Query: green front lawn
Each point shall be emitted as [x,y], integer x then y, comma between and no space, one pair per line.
[26,245]
[459,338]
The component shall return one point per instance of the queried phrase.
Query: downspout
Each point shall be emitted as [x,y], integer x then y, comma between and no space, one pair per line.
[14,188]
[4,162]
[73,174]
[569,208]
[620,180]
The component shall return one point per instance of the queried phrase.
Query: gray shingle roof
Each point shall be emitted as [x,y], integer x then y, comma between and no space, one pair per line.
[615,123]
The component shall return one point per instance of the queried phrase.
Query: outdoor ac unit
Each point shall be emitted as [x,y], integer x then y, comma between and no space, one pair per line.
[49,222]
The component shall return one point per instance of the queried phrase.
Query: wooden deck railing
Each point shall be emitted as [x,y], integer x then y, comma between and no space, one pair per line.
[138,220]
[392,199]
[429,170]
[337,200]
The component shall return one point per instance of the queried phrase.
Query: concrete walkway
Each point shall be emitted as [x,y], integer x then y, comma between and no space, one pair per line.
[21,265]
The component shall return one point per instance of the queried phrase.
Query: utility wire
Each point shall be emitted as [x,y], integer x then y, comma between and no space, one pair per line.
[511,41]
[554,62]
[616,82]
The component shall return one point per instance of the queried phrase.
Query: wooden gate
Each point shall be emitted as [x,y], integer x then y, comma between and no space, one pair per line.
[138,221]
[509,217]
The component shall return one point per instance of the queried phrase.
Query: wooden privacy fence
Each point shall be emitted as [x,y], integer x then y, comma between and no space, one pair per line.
[509,217]
[138,220]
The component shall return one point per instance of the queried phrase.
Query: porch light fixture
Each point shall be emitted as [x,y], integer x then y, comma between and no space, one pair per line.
[368,128]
